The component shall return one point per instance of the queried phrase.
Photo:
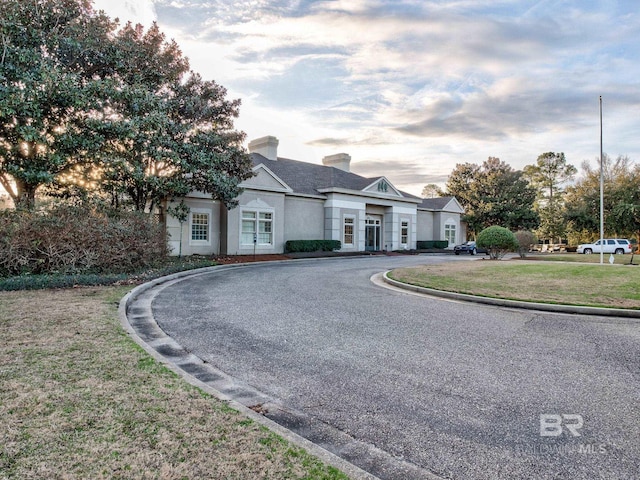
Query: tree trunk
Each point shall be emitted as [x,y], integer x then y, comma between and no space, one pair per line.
[25,195]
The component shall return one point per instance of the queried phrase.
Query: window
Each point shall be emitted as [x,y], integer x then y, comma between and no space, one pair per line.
[264,228]
[258,225]
[248,227]
[348,231]
[200,227]
[450,233]
[404,232]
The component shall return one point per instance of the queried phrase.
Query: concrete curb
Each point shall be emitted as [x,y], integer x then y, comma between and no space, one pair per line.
[545,307]
[167,352]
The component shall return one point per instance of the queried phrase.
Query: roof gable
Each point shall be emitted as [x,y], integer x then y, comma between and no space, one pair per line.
[265,179]
[382,186]
[443,204]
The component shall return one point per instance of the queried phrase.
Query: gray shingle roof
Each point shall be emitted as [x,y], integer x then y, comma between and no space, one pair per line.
[437,203]
[308,178]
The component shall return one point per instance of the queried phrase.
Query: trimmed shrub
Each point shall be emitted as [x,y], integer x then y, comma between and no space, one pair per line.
[295,246]
[70,239]
[525,239]
[427,244]
[167,267]
[498,240]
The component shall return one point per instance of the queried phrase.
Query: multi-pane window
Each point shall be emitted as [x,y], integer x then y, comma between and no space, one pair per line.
[404,232]
[265,231]
[248,227]
[348,231]
[200,227]
[258,225]
[450,233]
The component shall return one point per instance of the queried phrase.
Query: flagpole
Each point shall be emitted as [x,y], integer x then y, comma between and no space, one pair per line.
[601,191]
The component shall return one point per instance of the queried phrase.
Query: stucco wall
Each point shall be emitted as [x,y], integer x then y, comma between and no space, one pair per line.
[190,247]
[425,226]
[304,218]
[441,219]
[264,201]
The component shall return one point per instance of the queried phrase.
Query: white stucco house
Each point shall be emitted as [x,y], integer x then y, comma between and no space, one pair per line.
[295,200]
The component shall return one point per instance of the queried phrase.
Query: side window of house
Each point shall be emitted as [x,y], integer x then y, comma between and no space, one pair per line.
[404,232]
[258,224]
[450,233]
[348,231]
[200,227]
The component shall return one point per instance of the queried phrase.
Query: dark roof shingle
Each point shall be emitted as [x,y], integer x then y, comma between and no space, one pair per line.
[308,178]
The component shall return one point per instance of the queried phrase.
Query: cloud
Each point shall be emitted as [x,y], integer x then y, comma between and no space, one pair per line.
[399,81]
[136,11]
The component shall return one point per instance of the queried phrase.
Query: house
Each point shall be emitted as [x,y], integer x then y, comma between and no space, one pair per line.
[295,200]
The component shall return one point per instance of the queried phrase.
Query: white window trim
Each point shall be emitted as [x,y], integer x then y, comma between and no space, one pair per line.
[455,232]
[353,233]
[257,211]
[408,222]
[209,214]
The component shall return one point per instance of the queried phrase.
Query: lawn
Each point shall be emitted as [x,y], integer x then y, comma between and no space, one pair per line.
[613,286]
[581,258]
[79,399]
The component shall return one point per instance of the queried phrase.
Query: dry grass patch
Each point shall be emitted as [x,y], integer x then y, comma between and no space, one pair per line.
[610,286]
[79,399]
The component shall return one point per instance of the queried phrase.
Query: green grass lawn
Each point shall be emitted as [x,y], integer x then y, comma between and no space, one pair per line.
[613,286]
[79,399]
[581,258]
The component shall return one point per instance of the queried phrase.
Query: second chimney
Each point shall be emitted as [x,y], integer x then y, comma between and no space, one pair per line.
[339,160]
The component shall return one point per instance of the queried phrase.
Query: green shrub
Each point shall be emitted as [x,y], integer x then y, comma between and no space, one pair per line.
[169,266]
[427,244]
[72,239]
[525,239]
[294,246]
[38,282]
[498,240]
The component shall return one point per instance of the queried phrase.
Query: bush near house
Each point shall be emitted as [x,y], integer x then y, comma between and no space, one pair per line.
[72,239]
[525,239]
[426,244]
[295,246]
[498,240]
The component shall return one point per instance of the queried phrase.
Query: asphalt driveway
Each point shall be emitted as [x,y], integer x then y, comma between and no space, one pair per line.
[418,387]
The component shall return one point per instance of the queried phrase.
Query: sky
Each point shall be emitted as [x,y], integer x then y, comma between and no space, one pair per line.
[411,88]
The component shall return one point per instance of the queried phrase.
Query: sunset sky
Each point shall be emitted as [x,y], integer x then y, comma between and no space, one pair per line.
[411,88]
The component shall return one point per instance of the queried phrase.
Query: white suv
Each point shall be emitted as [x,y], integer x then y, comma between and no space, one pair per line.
[609,245]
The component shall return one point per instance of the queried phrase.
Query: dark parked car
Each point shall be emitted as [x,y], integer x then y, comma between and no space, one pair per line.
[470,248]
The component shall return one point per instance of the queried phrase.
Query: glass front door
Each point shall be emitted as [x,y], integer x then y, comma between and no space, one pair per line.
[372,234]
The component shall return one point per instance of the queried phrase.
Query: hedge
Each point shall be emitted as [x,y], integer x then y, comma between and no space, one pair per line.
[426,244]
[78,239]
[294,246]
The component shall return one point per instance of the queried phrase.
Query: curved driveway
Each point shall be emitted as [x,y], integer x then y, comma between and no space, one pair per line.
[407,386]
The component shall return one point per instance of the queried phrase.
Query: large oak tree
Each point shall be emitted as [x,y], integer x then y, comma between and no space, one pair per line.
[493,194]
[87,107]
[49,91]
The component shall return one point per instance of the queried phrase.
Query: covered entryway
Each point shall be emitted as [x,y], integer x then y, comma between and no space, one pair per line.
[373,233]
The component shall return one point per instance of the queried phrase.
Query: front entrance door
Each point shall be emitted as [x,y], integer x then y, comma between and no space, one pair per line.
[372,234]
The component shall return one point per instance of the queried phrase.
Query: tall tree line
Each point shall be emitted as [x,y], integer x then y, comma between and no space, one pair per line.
[549,197]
